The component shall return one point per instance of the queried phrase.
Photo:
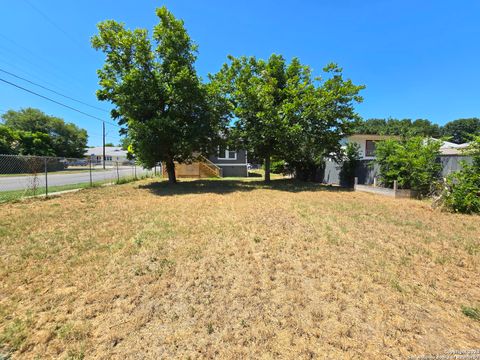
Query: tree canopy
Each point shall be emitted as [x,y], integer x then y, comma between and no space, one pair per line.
[167,112]
[400,127]
[280,111]
[31,132]
[462,130]
[8,140]
[458,131]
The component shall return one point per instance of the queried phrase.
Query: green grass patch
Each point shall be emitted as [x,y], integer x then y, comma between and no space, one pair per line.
[13,195]
[58,172]
[471,312]
[13,335]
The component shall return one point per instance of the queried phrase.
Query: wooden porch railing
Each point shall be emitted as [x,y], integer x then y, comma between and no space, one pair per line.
[209,167]
[200,169]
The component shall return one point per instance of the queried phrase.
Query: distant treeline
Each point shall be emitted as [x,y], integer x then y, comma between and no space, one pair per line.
[32,132]
[458,131]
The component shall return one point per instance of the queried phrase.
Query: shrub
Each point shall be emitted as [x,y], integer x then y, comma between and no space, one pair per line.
[461,192]
[351,157]
[412,162]
[278,167]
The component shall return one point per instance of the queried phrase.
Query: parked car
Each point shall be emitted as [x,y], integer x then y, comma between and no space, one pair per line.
[77,162]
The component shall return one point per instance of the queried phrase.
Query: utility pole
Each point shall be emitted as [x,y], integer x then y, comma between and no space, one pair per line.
[103,145]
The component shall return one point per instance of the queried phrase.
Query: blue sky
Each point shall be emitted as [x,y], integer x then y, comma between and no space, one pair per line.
[418,59]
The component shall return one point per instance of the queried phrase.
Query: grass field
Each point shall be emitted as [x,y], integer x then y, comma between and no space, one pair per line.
[234,269]
[7,196]
[62,172]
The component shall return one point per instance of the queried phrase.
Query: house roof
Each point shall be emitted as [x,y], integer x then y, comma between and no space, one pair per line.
[449,148]
[109,150]
[374,136]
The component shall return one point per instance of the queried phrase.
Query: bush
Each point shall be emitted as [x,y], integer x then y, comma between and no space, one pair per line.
[278,167]
[351,157]
[462,188]
[412,162]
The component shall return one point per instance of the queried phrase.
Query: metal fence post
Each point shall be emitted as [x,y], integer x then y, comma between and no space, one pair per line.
[135,168]
[395,185]
[118,174]
[46,177]
[90,163]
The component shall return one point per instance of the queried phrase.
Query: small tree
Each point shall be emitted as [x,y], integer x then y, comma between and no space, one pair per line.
[168,113]
[351,157]
[412,162]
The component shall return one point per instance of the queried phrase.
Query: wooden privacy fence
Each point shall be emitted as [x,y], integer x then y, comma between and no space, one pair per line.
[203,168]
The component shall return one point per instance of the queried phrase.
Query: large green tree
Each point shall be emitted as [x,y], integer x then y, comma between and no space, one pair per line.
[324,115]
[260,94]
[166,111]
[35,143]
[41,134]
[462,130]
[279,111]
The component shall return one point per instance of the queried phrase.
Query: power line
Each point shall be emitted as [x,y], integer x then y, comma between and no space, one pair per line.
[16,66]
[44,63]
[53,91]
[53,23]
[57,102]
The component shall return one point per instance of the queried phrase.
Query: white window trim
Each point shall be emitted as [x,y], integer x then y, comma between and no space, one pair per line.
[226,155]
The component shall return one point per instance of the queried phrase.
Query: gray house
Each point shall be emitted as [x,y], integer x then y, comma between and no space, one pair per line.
[233,163]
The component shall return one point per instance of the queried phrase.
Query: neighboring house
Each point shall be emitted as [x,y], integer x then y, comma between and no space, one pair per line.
[449,148]
[233,163]
[366,143]
[113,155]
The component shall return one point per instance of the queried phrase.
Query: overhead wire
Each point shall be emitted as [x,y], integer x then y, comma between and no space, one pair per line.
[53,23]
[57,102]
[53,91]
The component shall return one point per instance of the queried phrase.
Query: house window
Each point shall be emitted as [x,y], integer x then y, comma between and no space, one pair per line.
[108,158]
[226,154]
[370,148]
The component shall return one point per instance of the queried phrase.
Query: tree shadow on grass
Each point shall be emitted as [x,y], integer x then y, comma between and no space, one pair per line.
[220,186]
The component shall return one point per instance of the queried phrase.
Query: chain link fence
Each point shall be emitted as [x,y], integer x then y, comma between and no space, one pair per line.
[24,176]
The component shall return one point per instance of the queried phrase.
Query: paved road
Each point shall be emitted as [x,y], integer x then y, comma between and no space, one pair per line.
[9,183]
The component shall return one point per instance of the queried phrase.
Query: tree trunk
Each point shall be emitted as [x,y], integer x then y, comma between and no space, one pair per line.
[267,169]
[313,173]
[171,171]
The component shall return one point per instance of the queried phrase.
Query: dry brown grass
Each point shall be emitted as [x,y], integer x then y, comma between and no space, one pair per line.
[234,270]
